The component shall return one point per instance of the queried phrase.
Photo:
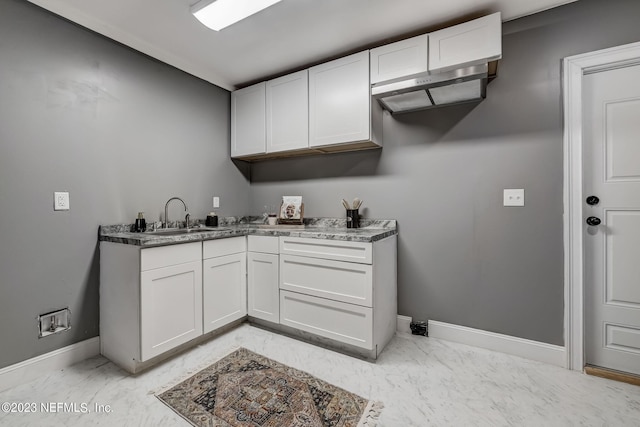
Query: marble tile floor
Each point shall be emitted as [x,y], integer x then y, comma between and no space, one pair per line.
[421,381]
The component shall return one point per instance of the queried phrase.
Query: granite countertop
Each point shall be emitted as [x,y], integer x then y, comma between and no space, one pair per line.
[318,228]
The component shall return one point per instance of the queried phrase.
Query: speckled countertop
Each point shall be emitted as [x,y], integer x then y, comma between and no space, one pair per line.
[319,228]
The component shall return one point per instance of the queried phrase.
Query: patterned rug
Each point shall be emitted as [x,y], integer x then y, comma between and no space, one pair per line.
[246,389]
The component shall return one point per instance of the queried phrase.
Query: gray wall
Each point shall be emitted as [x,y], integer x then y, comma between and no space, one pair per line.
[122,133]
[463,258]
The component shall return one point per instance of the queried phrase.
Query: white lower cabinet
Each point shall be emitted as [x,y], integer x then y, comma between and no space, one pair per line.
[224,287]
[342,290]
[262,278]
[170,307]
[150,300]
[153,300]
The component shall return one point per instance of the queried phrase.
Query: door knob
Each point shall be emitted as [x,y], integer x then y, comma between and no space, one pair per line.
[592,220]
[593,200]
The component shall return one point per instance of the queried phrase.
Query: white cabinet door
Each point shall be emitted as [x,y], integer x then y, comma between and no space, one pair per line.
[466,44]
[248,130]
[340,101]
[400,59]
[288,112]
[264,301]
[224,290]
[170,307]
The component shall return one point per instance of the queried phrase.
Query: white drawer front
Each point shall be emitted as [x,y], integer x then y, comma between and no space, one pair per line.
[336,280]
[165,256]
[221,247]
[347,323]
[264,244]
[328,249]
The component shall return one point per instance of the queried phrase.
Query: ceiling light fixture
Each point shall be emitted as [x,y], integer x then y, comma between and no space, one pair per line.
[218,14]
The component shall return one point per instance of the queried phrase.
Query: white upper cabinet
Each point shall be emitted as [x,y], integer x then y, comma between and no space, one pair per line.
[340,101]
[248,124]
[466,44]
[288,112]
[400,59]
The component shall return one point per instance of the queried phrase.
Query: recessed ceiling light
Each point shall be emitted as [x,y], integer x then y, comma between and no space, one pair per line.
[218,14]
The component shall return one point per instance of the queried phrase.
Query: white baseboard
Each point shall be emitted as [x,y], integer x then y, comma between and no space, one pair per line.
[534,350]
[402,324]
[33,368]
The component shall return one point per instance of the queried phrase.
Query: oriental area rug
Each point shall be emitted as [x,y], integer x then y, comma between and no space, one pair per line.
[245,389]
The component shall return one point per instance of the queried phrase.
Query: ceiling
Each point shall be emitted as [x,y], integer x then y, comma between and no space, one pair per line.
[288,36]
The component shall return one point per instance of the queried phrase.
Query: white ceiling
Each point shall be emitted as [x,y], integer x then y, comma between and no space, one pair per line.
[290,35]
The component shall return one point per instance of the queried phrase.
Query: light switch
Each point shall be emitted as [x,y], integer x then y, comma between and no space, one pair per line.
[216,202]
[513,197]
[61,201]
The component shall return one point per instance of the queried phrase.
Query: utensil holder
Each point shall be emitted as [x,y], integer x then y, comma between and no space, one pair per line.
[353,218]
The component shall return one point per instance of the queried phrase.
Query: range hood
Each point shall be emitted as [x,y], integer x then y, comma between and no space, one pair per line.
[433,90]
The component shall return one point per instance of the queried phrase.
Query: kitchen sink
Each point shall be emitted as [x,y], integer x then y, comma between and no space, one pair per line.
[281,227]
[182,231]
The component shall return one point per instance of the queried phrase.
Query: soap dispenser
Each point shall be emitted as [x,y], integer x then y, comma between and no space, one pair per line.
[141,224]
[212,220]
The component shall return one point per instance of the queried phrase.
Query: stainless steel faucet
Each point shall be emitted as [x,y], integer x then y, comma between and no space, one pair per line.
[166,211]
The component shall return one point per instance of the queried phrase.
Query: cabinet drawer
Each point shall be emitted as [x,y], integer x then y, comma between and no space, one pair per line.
[265,244]
[347,323]
[221,247]
[165,256]
[328,249]
[337,280]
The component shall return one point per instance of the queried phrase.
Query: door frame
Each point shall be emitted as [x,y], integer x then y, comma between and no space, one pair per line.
[574,68]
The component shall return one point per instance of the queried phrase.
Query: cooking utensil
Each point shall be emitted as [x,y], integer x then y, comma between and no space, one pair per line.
[357,203]
[345,204]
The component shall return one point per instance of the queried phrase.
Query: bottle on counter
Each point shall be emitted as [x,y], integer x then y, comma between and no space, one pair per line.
[141,223]
[212,220]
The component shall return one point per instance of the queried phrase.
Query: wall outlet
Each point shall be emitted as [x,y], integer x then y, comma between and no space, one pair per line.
[513,197]
[216,202]
[61,201]
[54,322]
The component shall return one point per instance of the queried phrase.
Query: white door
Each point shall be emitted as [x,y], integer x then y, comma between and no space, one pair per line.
[611,106]
[224,287]
[248,121]
[170,307]
[264,298]
[288,112]
[340,101]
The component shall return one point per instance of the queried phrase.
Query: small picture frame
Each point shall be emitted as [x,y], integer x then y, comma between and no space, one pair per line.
[291,210]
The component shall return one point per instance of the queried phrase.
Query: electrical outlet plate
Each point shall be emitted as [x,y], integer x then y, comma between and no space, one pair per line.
[513,197]
[216,202]
[54,322]
[61,201]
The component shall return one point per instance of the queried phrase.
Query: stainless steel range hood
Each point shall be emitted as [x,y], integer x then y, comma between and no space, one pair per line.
[433,90]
